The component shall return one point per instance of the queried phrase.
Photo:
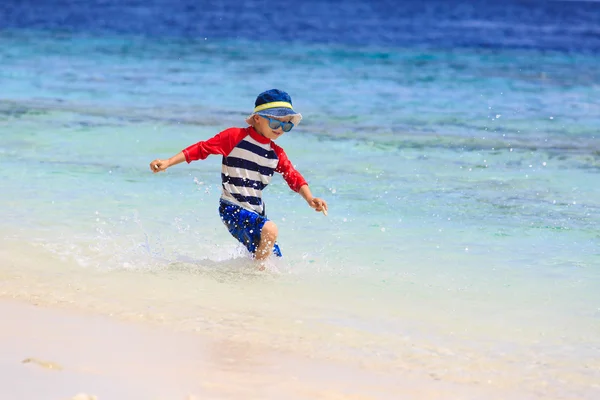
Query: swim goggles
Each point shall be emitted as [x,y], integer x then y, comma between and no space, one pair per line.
[275,124]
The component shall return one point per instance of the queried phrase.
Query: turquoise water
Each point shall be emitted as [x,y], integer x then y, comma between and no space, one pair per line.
[462,238]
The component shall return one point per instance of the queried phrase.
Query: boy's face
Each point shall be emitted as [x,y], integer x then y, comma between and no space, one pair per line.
[261,125]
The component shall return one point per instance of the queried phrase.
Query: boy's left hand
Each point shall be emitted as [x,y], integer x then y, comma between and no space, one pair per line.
[318,204]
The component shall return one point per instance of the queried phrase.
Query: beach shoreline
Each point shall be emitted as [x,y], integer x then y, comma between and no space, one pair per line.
[120,334]
[56,354]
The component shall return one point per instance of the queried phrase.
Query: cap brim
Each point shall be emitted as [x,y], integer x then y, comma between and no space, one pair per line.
[278,112]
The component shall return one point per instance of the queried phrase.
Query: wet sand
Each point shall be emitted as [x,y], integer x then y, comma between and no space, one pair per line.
[57,354]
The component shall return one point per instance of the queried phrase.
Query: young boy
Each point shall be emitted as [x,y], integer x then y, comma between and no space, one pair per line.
[250,157]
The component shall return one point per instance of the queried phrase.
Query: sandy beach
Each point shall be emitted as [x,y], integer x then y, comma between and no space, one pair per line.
[58,354]
[61,354]
[55,354]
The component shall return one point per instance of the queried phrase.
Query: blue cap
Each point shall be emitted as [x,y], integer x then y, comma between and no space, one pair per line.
[275,103]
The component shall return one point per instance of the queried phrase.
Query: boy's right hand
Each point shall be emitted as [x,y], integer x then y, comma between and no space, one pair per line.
[158,165]
[161,165]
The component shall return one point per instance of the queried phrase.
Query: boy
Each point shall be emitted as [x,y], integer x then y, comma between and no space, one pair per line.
[250,157]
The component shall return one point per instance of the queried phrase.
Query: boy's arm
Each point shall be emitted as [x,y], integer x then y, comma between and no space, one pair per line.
[296,181]
[222,143]
[161,165]
[315,202]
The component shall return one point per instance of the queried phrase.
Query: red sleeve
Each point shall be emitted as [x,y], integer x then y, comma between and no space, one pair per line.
[293,178]
[222,143]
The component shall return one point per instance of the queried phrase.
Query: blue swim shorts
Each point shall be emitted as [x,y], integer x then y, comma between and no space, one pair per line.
[244,225]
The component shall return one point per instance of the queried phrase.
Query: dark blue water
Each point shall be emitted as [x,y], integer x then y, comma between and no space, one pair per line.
[565,26]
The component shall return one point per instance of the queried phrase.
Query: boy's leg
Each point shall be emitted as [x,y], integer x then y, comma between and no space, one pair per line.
[252,230]
[268,236]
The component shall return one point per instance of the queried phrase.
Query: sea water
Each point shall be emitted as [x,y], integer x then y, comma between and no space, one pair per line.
[456,144]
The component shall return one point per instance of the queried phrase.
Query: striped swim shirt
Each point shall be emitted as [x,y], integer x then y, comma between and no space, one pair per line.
[249,162]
